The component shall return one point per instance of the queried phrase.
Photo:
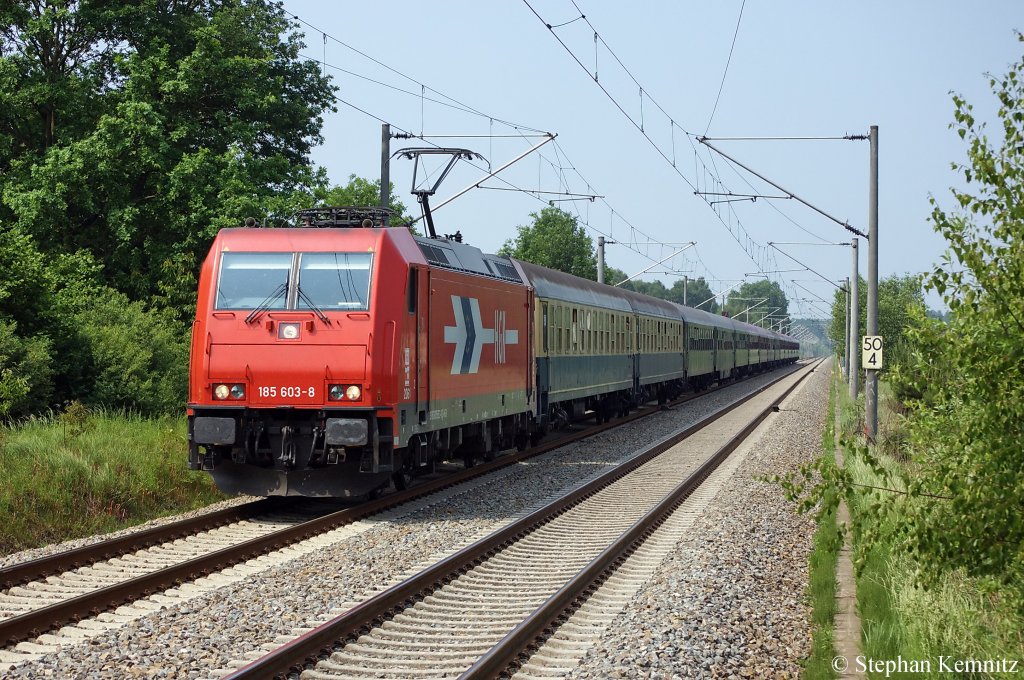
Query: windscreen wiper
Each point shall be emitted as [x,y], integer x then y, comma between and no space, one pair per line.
[265,305]
[316,310]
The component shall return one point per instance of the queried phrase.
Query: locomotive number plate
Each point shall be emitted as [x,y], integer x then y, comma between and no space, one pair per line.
[285,392]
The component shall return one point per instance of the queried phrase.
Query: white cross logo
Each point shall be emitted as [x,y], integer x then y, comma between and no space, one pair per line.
[469,335]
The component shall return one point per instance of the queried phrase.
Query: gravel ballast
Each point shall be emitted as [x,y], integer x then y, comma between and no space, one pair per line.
[730,600]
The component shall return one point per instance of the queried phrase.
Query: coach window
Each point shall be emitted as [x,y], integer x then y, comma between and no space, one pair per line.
[546,329]
[249,279]
[575,329]
[556,328]
[591,344]
[559,342]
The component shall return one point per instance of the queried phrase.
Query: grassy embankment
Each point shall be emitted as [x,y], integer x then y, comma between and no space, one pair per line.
[821,590]
[899,619]
[87,472]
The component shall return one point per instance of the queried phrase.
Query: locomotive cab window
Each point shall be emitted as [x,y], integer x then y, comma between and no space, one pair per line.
[249,279]
[334,280]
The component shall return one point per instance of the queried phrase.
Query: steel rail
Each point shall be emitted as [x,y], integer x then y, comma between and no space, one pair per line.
[33,570]
[33,623]
[506,652]
[351,624]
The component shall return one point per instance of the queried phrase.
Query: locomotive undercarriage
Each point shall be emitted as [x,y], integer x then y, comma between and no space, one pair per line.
[468,443]
[279,452]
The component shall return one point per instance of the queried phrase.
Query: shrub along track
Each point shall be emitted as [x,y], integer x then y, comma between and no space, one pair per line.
[479,610]
[73,586]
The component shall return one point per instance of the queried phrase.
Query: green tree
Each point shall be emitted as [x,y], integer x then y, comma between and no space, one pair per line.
[653,288]
[613,276]
[361,192]
[155,125]
[837,324]
[698,292]
[556,240]
[963,380]
[129,134]
[752,293]
[900,302]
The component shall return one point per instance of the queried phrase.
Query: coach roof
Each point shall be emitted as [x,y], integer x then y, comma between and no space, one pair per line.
[557,285]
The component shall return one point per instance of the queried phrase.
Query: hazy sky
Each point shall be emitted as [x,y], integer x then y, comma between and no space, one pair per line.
[799,69]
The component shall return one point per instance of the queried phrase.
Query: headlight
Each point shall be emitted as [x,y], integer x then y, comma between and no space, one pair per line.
[234,391]
[288,331]
[340,392]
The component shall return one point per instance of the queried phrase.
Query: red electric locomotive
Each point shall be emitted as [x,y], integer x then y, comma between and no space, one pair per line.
[330,358]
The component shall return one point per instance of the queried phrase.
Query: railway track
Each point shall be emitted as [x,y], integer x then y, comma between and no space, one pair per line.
[86,584]
[546,580]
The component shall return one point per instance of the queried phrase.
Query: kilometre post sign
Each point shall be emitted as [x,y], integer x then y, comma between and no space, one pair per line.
[871,352]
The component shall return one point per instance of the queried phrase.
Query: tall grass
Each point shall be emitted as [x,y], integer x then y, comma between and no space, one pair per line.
[821,589]
[85,472]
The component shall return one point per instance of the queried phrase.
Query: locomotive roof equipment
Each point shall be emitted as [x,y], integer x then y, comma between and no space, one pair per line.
[422,195]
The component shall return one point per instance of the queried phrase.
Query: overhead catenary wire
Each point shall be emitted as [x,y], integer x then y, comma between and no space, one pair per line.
[751,243]
[756,251]
[523,132]
[845,225]
[456,104]
[726,71]
[639,127]
[773,206]
[638,242]
[422,85]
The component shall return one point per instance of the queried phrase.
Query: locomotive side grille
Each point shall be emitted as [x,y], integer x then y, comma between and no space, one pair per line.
[462,257]
[435,255]
[507,271]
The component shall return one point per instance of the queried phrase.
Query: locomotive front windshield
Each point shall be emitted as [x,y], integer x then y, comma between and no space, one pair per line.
[317,281]
[334,280]
[249,279]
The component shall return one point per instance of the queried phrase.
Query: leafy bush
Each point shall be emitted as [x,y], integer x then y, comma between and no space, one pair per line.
[25,372]
[966,436]
[138,357]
